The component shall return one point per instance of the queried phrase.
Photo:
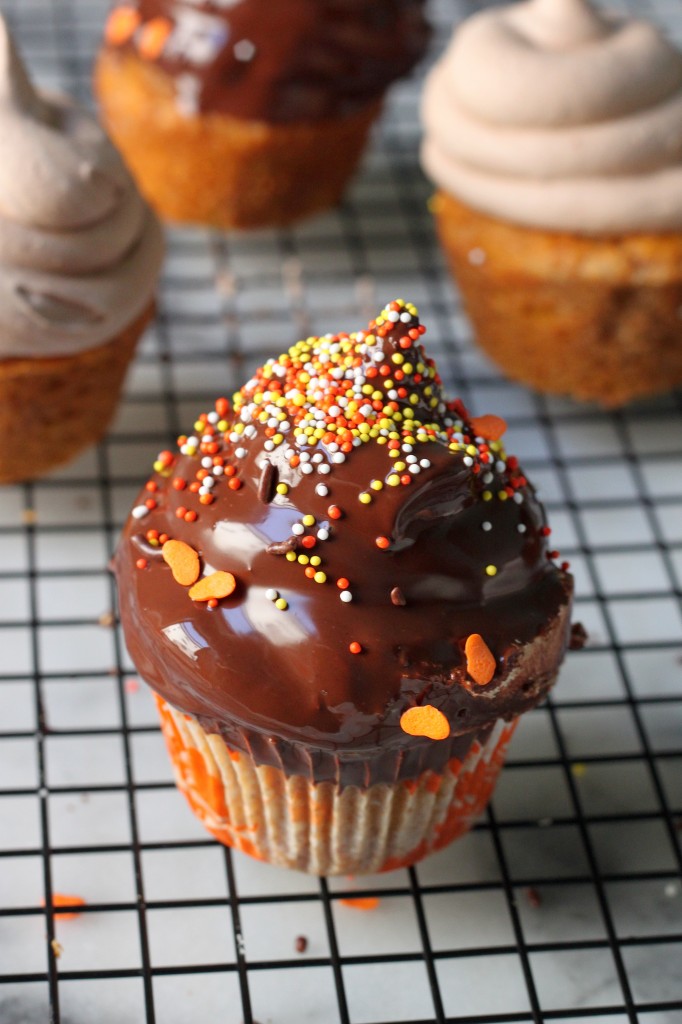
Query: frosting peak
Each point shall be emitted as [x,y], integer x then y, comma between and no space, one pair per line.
[552,114]
[79,249]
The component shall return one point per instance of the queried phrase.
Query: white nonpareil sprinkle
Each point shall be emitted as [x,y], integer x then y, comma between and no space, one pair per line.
[324,468]
[307,468]
[346,596]
[486,526]
[240,452]
[521,528]
[139,512]
[322,490]
[298,529]
[323,534]
[271,594]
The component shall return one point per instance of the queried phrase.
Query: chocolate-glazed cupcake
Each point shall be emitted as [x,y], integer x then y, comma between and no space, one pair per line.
[251,113]
[341,592]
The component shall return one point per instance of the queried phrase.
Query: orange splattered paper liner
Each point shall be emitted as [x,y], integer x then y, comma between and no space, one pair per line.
[315,827]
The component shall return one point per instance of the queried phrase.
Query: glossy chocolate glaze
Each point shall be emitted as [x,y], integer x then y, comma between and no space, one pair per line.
[284,683]
[277,61]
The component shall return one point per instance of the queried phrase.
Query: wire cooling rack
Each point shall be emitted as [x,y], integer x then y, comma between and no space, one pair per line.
[564,903]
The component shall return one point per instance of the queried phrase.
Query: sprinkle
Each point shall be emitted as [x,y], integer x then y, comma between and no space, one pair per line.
[183,561]
[282,489]
[218,585]
[398,598]
[140,511]
[323,533]
[485,525]
[383,543]
[190,516]
[271,594]
[346,596]
[235,483]
[298,529]
[360,902]
[481,662]
[62,900]
[142,563]
[425,721]
[322,490]
[490,427]
[153,37]
[320,577]
[521,528]
[491,570]
[300,944]
[364,498]
[121,25]
[334,512]
[281,604]
[308,520]
[354,647]
[342,583]
[267,482]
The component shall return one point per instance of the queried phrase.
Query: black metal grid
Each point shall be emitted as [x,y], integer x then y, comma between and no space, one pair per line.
[564,903]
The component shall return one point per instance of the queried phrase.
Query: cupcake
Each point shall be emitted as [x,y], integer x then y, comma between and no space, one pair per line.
[340,590]
[553,133]
[79,256]
[252,113]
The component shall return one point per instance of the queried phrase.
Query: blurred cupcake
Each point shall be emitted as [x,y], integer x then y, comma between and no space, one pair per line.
[79,256]
[341,592]
[251,113]
[554,134]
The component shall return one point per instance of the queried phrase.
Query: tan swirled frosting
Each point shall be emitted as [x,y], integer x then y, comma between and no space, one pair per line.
[550,114]
[80,251]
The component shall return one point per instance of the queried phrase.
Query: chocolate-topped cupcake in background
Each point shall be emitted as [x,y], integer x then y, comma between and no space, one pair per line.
[553,131]
[80,254]
[252,113]
[341,591]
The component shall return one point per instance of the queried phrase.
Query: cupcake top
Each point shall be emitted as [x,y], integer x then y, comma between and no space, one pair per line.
[80,251]
[299,60]
[552,114]
[340,546]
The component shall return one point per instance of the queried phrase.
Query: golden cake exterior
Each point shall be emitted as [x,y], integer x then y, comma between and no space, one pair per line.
[80,252]
[254,114]
[554,135]
[341,591]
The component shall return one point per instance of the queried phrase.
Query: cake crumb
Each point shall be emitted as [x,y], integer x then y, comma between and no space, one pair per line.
[361,902]
[107,619]
[300,944]
[57,948]
[29,517]
[578,637]
[533,896]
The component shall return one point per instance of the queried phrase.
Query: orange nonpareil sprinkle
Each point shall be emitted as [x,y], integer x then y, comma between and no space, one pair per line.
[153,37]
[121,25]
[490,427]
[481,662]
[62,900]
[425,721]
[183,561]
[217,585]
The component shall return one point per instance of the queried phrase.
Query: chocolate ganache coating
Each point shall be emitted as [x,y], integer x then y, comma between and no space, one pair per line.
[372,529]
[274,61]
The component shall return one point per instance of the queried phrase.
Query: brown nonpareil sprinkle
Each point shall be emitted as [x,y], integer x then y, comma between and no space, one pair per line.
[398,598]
[300,943]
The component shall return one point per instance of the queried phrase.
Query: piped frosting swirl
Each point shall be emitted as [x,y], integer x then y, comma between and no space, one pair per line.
[551,114]
[80,251]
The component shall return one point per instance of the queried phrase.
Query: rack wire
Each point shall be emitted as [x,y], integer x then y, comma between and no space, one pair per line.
[564,903]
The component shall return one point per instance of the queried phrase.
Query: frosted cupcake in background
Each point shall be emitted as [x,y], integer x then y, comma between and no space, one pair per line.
[254,112]
[554,135]
[80,253]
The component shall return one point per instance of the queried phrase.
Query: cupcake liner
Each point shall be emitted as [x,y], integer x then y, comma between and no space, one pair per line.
[224,171]
[293,822]
[51,409]
[594,318]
